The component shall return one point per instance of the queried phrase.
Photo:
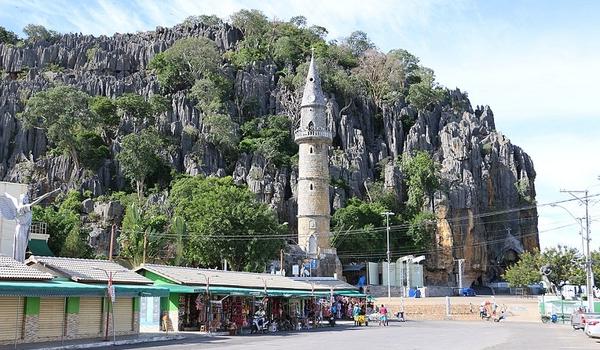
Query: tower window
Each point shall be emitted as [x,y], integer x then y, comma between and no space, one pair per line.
[311,187]
[310,150]
[311,79]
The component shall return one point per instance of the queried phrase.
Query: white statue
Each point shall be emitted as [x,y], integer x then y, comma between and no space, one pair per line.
[20,211]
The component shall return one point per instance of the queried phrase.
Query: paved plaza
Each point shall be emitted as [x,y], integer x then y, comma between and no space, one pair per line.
[445,335]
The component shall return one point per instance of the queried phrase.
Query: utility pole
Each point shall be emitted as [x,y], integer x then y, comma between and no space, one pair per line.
[281,262]
[389,260]
[112,238]
[145,244]
[588,258]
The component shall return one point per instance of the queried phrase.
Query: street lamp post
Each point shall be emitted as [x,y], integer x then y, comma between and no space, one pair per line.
[588,259]
[109,295]
[209,304]
[387,222]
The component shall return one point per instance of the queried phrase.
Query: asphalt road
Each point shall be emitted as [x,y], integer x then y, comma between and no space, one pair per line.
[446,335]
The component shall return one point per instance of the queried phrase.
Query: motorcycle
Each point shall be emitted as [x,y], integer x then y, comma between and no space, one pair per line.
[332,320]
[259,324]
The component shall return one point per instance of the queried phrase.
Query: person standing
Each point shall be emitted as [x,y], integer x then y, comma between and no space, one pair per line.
[355,314]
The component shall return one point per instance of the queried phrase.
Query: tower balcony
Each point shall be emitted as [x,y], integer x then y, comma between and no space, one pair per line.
[304,134]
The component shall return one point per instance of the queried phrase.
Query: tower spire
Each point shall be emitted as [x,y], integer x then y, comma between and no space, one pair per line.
[313,95]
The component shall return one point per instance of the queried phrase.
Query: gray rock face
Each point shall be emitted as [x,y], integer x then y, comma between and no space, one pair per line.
[482,171]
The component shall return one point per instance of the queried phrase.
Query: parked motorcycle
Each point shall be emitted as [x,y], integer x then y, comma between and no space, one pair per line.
[259,323]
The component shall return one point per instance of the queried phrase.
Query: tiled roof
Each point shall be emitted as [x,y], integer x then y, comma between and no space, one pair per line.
[89,270]
[11,269]
[194,276]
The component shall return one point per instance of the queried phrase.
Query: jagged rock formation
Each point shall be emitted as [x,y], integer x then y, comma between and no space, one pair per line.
[482,171]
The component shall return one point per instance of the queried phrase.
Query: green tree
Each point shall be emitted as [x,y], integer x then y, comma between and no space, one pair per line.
[354,227]
[142,226]
[8,37]
[225,222]
[421,228]
[222,132]
[67,237]
[105,110]
[179,228]
[566,265]
[382,75]
[422,177]
[136,108]
[426,92]
[596,266]
[359,43]
[140,156]
[92,149]
[36,32]
[210,94]
[250,22]
[526,271]
[270,137]
[209,20]
[75,244]
[63,113]
[188,59]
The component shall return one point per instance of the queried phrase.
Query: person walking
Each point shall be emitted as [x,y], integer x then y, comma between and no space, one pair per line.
[383,319]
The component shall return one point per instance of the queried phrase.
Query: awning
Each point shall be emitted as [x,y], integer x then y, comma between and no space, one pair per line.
[137,290]
[350,293]
[39,247]
[240,291]
[58,288]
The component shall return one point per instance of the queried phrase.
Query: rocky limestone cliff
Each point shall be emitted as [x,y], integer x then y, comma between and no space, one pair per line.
[479,166]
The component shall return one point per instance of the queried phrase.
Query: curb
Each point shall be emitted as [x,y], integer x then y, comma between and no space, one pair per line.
[116,343]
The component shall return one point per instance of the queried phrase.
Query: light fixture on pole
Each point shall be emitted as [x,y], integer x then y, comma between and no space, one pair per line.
[387,222]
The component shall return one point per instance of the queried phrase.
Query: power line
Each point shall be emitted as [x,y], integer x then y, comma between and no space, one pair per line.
[431,251]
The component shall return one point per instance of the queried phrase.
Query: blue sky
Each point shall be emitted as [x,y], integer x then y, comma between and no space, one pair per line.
[536,63]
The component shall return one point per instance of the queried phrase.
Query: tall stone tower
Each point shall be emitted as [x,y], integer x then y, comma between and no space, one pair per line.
[314,138]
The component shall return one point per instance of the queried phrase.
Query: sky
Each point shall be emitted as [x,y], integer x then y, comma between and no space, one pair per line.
[536,63]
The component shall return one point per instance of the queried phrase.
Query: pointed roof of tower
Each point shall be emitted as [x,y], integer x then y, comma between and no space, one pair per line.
[313,95]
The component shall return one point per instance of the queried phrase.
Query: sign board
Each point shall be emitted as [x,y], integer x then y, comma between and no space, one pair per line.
[295,270]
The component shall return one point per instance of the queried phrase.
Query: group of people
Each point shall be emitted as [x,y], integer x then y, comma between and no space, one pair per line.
[489,311]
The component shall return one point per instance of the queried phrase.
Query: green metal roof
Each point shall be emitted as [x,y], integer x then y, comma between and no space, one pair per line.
[39,247]
[58,288]
[178,288]
[65,288]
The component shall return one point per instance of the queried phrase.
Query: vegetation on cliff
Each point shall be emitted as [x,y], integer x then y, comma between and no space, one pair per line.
[214,108]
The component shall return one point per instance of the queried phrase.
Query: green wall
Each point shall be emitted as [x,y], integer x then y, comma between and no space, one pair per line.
[171,303]
[73,305]
[32,306]
[136,304]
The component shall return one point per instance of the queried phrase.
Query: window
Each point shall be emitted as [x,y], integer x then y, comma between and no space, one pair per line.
[311,187]
[310,150]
